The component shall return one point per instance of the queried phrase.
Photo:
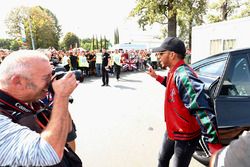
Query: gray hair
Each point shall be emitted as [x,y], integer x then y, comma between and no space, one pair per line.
[20,63]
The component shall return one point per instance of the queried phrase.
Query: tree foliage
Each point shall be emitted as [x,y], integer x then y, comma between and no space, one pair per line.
[222,10]
[191,14]
[96,42]
[39,21]
[93,43]
[101,42]
[170,13]
[10,44]
[245,11]
[86,43]
[116,36]
[5,43]
[70,40]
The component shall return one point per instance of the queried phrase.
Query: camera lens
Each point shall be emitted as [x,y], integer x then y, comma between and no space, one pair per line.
[79,75]
[60,72]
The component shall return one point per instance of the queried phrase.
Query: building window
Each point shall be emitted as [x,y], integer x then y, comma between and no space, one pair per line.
[215,46]
[229,44]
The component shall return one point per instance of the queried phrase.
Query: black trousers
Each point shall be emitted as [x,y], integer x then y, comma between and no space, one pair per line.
[181,149]
[105,76]
[117,71]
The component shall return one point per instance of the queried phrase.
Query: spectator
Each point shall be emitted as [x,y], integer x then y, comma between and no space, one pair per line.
[83,64]
[92,59]
[98,64]
[117,63]
[105,67]
[66,61]
[73,60]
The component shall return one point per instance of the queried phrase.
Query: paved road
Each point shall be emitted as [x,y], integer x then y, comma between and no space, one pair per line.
[121,125]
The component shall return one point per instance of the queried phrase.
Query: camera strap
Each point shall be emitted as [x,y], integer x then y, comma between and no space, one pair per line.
[14,108]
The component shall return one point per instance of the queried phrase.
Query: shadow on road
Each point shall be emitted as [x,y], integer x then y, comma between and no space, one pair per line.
[124,87]
[129,80]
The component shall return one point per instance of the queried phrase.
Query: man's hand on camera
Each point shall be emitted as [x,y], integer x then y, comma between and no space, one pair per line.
[66,85]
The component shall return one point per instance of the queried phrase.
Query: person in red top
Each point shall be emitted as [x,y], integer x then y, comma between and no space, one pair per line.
[187,110]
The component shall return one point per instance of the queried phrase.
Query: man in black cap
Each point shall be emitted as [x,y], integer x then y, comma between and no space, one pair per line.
[187,111]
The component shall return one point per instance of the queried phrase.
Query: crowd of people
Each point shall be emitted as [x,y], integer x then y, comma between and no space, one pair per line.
[90,62]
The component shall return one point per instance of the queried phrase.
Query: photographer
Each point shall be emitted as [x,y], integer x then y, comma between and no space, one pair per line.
[24,79]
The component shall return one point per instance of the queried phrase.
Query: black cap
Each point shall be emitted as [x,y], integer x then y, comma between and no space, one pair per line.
[172,44]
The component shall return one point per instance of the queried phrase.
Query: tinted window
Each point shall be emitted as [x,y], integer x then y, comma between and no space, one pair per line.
[237,79]
[214,68]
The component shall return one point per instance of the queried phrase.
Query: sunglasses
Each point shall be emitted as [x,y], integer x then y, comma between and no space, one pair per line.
[162,53]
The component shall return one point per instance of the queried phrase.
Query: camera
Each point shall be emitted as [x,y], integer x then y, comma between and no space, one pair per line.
[59,72]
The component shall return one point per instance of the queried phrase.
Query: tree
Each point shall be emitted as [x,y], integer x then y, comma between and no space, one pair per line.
[93,43]
[196,9]
[86,43]
[10,44]
[105,43]
[70,40]
[116,36]
[5,43]
[58,30]
[14,45]
[245,11]
[168,12]
[39,22]
[96,41]
[222,10]
[101,42]
[151,11]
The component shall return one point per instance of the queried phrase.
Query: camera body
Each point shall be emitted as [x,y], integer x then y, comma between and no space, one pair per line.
[59,74]
[60,71]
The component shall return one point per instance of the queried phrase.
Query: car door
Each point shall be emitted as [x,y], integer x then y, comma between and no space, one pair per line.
[232,93]
[210,69]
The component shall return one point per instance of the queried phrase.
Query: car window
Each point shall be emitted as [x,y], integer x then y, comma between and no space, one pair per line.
[237,79]
[215,68]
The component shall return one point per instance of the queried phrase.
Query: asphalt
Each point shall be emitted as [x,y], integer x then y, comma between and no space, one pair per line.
[121,125]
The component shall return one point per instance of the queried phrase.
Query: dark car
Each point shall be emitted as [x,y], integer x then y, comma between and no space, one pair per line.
[227,82]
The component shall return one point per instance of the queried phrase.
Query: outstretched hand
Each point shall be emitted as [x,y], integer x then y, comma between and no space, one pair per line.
[151,72]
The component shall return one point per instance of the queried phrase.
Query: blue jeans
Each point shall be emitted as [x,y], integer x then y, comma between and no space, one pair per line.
[98,69]
[181,149]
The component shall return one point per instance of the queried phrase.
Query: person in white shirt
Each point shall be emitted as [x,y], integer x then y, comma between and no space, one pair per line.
[98,63]
[117,63]
[65,61]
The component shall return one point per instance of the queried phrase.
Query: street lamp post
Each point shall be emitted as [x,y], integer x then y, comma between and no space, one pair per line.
[31,34]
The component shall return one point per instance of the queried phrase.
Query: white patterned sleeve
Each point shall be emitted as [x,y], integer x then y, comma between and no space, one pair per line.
[20,146]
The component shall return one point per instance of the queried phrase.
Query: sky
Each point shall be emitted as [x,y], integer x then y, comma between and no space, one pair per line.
[86,17]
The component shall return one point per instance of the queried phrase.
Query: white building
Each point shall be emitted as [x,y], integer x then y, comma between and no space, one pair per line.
[130,35]
[214,38]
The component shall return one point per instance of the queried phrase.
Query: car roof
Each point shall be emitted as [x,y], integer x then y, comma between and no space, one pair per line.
[220,55]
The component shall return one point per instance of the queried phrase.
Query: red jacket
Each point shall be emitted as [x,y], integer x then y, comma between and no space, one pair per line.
[186,109]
